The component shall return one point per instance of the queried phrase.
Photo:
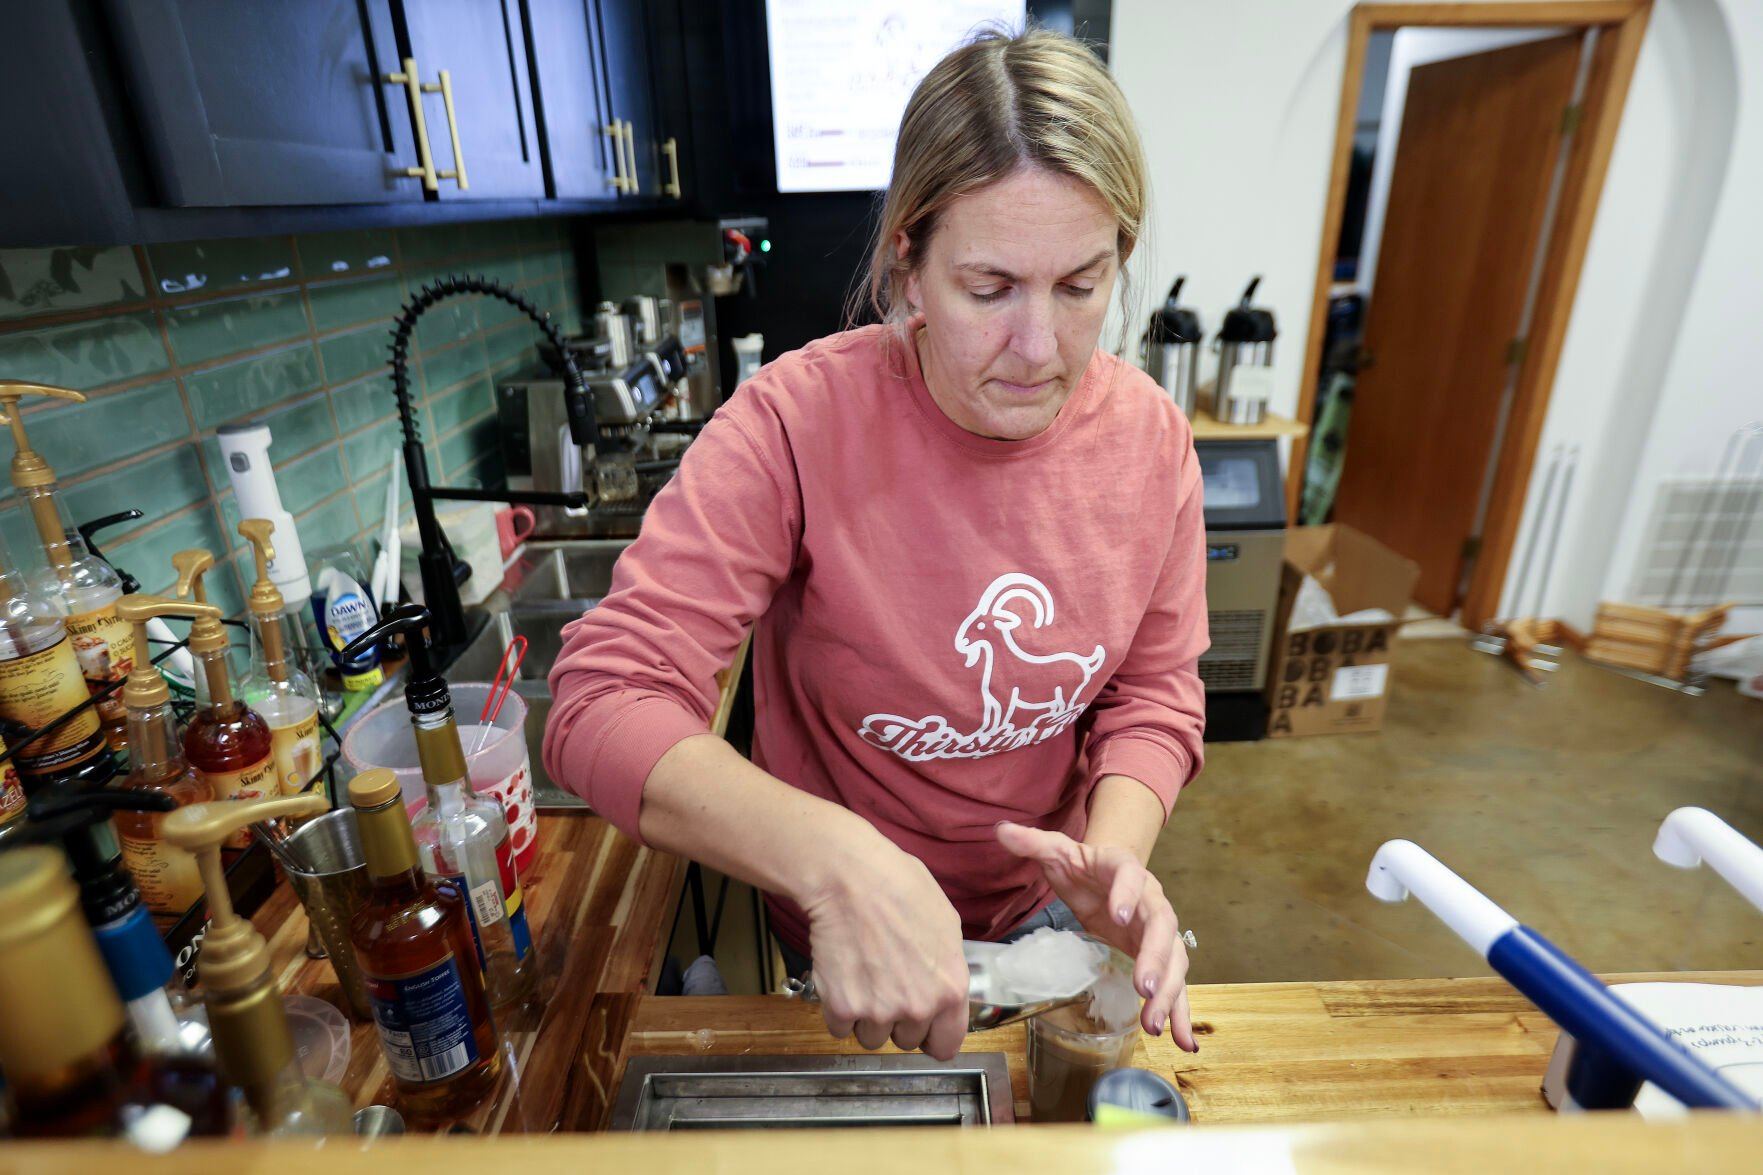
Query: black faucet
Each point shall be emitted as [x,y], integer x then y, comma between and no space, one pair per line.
[440,584]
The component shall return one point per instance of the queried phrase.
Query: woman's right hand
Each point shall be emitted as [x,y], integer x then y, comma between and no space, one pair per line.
[887,952]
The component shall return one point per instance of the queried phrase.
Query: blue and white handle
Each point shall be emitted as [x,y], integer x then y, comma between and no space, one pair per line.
[1567,993]
[1693,836]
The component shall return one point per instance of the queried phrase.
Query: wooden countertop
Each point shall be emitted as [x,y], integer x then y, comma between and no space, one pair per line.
[600,907]
[1269,1052]
[1208,427]
[1588,1142]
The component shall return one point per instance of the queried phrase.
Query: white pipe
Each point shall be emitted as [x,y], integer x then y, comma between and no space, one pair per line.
[1402,867]
[1690,836]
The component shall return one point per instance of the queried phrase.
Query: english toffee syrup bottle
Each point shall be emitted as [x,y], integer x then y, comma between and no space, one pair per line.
[226,741]
[414,941]
[167,875]
[462,837]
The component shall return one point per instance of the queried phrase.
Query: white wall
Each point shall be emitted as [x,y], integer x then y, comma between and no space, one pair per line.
[1237,105]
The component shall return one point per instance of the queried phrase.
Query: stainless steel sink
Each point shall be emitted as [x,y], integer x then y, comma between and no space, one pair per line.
[571,570]
[768,1093]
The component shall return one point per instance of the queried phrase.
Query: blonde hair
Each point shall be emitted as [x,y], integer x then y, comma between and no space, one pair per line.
[996,103]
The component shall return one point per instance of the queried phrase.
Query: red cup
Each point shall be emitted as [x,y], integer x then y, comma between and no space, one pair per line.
[509,530]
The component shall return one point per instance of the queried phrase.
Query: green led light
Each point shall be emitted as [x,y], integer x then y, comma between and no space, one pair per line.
[765,245]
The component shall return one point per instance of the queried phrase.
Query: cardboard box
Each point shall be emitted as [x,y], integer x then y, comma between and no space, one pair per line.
[1336,679]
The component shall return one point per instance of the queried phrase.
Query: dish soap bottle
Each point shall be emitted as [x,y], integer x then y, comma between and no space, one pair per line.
[252,1039]
[226,741]
[462,836]
[274,687]
[413,939]
[40,680]
[166,874]
[88,586]
[343,611]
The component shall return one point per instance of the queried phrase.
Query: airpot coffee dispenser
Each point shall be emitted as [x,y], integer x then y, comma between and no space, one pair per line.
[1170,348]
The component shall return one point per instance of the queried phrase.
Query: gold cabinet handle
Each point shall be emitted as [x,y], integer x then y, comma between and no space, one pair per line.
[409,79]
[630,146]
[615,131]
[445,89]
[670,148]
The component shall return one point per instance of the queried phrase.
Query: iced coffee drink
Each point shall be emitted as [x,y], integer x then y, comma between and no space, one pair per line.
[1069,1047]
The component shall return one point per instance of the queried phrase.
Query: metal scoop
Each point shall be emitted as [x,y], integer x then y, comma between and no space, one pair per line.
[990,1002]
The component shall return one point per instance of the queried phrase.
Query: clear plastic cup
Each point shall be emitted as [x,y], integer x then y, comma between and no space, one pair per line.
[1068,1051]
[496,758]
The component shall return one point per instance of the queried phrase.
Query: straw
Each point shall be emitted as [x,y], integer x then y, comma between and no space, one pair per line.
[500,687]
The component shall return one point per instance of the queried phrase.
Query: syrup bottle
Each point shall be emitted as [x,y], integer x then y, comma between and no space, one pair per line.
[461,835]
[72,1068]
[87,586]
[40,680]
[166,874]
[226,742]
[274,687]
[414,941]
[252,1039]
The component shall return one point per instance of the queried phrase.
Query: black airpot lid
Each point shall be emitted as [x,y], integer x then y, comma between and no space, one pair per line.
[1245,323]
[1173,323]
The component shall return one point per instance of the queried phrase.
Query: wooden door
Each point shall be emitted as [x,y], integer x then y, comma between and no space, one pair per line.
[483,45]
[1478,148]
[247,102]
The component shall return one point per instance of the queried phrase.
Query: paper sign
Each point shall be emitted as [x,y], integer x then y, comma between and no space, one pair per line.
[1352,682]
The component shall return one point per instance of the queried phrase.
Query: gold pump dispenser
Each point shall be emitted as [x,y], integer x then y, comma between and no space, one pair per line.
[207,634]
[252,1039]
[266,601]
[145,686]
[31,473]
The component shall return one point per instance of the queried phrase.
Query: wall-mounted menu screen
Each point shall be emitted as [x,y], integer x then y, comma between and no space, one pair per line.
[841,72]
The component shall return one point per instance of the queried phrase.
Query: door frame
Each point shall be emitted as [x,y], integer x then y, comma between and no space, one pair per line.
[1622,24]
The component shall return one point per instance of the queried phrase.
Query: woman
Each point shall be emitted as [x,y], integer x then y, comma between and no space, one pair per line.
[972,546]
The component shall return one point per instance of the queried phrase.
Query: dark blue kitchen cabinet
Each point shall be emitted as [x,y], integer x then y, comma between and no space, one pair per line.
[487,135]
[254,102]
[148,120]
[251,102]
[579,135]
[630,97]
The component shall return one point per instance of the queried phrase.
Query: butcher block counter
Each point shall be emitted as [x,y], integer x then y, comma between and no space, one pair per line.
[602,908]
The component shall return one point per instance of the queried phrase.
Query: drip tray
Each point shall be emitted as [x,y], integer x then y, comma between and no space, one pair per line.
[770,1093]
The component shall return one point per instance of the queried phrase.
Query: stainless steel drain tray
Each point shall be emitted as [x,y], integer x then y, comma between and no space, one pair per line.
[768,1093]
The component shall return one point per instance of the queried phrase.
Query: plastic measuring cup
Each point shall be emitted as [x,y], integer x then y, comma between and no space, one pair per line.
[499,767]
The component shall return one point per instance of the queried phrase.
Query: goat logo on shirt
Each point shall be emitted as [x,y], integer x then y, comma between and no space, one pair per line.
[1024,697]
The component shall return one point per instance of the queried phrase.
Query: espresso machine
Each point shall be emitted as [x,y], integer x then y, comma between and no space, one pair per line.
[652,366]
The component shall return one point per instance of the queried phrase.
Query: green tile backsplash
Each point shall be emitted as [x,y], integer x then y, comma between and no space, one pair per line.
[171,341]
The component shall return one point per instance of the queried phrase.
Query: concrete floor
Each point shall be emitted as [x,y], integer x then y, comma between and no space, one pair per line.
[1546,798]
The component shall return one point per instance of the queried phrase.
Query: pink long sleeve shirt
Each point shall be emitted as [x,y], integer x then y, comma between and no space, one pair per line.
[951,630]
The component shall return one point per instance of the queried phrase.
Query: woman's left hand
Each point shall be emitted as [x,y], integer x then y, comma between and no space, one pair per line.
[1120,902]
